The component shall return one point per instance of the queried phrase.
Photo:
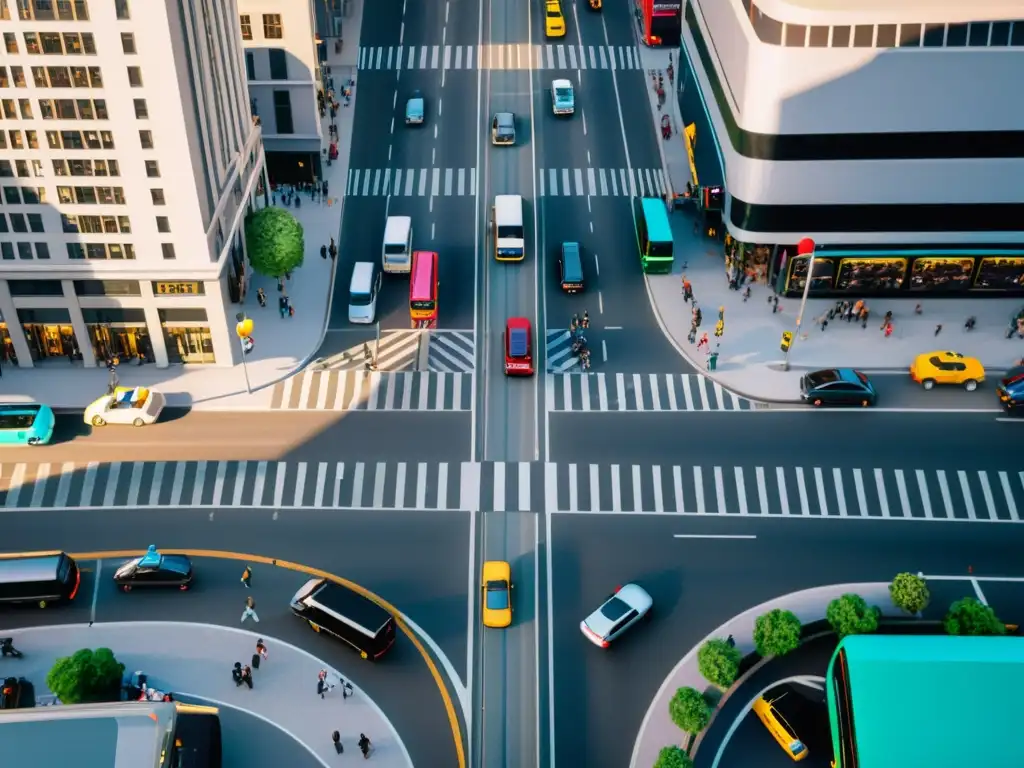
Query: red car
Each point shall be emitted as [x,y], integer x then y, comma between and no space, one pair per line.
[518,347]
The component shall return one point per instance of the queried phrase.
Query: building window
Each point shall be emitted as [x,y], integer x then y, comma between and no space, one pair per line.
[246,26]
[3,224]
[51,43]
[152,169]
[956,36]
[163,224]
[10,109]
[33,195]
[18,76]
[18,223]
[15,139]
[886,35]
[168,250]
[796,35]
[6,170]
[863,36]
[278,64]
[121,9]
[24,250]
[146,139]
[1000,33]
[840,37]
[934,35]
[135,77]
[910,36]
[250,65]
[141,110]
[158,196]
[1017,33]
[42,251]
[107,288]
[283,112]
[128,43]
[4,80]
[818,37]
[35,222]
[768,30]
[979,34]
[272,28]
[12,195]
[7,249]
[26,109]
[11,42]
[22,167]
[75,251]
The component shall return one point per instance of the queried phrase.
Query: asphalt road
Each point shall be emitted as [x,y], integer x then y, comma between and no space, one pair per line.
[601,696]
[266,436]
[897,390]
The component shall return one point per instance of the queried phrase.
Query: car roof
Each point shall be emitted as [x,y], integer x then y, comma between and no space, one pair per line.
[505,118]
[561,83]
[848,374]
[635,596]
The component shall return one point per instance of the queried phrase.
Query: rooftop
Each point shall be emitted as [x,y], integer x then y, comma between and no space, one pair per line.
[885,11]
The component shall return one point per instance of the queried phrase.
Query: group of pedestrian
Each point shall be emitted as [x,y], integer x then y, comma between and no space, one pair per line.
[329,250]
[849,311]
[291,194]
[242,674]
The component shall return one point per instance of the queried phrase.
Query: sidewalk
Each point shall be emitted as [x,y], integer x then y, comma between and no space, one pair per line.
[658,730]
[283,345]
[674,159]
[194,661]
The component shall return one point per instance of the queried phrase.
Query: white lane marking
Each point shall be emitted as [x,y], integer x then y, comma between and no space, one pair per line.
[714,536]
[978,591]
[95,592]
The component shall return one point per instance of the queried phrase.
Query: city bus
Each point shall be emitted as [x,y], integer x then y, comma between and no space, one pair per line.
[653,235]
[25,424]
[423,288]
[661,21]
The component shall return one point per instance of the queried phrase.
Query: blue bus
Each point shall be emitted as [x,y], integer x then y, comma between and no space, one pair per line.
[653,235]
[25,424]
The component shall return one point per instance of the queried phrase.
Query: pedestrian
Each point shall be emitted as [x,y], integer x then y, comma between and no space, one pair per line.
[886,320]
[260,654]
[704,342]
[236,673]
[938,329]
[322,686]
[247,573]
[888,330]
[746,294]
[731,641]
[918,309]
[323,252]
[336,738]
[323,188]
[971,322]
[364,745]
[775,304]
[247,677]
[713,360]
[261,297]
[692,335]
[250,610]
[824,322]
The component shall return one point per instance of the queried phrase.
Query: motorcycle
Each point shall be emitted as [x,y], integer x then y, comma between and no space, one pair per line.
[579,345]
[585,360]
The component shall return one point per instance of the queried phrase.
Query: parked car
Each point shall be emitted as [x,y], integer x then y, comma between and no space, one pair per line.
[137,406]
[620,611]
[933,368]
[837,386]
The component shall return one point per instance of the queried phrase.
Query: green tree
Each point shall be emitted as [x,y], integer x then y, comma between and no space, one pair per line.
[969,616]
[909,592]
[851,615]
[777,632]
[274,242]
[86,676]
[689,711]
[719,662]
[673,757]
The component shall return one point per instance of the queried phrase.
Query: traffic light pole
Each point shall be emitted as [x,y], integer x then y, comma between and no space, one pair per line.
[803,306]
[245,367]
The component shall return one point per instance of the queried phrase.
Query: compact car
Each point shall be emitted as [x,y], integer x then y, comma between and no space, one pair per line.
[518,347]
[554,21]
[563,102]
[137,406]
[620,611]
[503,128]
[415,108]
[496,590]
[933,368]
[837,386]
[155,569]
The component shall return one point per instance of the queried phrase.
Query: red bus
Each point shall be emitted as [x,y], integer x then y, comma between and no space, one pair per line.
[661,21]
[423,288]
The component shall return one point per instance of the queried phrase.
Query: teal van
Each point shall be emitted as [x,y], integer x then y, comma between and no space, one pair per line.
[570,268]
[25,424]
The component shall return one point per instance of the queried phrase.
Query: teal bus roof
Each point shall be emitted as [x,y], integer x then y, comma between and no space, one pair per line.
[935,700]
[658,230]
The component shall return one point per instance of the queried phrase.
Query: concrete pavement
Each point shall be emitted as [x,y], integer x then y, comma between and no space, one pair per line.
[194,660]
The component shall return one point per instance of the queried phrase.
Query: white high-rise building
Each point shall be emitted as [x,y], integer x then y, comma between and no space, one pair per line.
[128,159]
[283,74]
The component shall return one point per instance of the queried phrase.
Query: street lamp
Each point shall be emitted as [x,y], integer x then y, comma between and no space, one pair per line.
[243,328]
[804,248]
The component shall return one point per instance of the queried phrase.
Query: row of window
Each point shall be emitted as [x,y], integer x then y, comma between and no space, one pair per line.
[273,29]
[52,43]
[29,141]
[975,34]
[86,168]
[49,10]
[94,225]
[71,139]
[21,222]
[73,109]
[91,195]
[278,64]
[24,250]
[24,195]
[98,251]
[61,77]
[95,288]
[22,168]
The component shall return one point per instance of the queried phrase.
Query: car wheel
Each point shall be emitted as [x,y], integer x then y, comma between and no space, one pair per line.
[928,383]
[138,423]
[364,654]
[42,603]
[33,441]
[817,402]
[126,587]
[970,385]
[97,421]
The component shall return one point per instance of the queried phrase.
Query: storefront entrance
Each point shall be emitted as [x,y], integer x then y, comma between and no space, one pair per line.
[189,345]
[118,333]
[49,334]
[7,354]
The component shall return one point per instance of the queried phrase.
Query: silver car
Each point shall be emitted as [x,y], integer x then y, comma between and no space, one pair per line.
[619,612]
[503,128]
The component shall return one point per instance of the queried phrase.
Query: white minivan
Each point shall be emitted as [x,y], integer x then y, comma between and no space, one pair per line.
[507,221]
[363,292]
[397,252]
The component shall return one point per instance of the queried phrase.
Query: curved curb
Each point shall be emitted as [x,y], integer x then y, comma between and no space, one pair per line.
[818,597]
[253,636]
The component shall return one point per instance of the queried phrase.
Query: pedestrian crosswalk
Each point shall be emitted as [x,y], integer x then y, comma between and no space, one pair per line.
[312,390]
[648,392]
[737,491]
[461,182]
[445,351]
[514,56]
[558,352]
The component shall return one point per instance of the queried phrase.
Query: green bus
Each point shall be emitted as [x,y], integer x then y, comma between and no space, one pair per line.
[925,700]
[653,234]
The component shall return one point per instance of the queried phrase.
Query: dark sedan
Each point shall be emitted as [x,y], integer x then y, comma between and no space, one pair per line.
[837,386]
[1011,390]
[159,571]
[12,691]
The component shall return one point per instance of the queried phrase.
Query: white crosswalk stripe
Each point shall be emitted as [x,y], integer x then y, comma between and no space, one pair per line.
[512,56]
[347,390]
[559,355]
[649,392]
[601,182]
[773,492]
[411,182]
[447,351]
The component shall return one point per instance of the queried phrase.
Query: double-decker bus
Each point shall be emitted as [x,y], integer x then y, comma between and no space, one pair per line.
[653,234]
[661,21]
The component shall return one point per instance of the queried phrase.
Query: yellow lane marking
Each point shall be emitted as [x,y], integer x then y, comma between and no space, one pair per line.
[449,706]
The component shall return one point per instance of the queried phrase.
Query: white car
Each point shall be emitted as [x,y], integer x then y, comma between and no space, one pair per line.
[563,101]
[137,406]
[624,608]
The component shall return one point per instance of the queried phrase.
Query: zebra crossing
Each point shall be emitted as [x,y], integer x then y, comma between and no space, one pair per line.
[514,56]
[775,492]
[446,352]
[462,182]
[647,392]
[311,390]
[558,352]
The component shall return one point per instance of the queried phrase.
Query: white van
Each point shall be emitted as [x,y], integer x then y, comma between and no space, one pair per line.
[397,253]
[363,292]
[507,222]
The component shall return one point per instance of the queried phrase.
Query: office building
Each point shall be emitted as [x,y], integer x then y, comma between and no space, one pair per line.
[282,69]
[869,127]
[151,96]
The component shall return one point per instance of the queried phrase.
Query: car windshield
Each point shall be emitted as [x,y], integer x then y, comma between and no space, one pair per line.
[357,299]
[614,609]
[497,596]
[553,13]
[820,378]
[563,93]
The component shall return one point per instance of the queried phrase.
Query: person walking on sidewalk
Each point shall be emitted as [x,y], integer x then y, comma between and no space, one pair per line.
[938,329]
[322,686]
[247,676]
[323,252]
[250,610]
[247,573]
[886,320]
[260,654]
[336,739]
[364,745]
[703,343]
[333,250]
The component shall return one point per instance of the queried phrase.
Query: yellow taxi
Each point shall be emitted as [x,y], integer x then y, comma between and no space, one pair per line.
[933,368]
[780,730]
[496,589]
[554,21]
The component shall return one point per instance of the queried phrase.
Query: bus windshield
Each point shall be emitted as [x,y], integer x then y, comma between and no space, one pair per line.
[510,232]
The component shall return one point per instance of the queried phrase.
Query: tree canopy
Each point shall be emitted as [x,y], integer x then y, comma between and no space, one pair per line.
[909,592]
[274,241]
[86,676]
[969,616]
[719,662]
[689,710]
[673,757]
[777,632]
[851,615]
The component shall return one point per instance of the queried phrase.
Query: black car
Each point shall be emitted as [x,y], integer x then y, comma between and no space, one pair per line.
[11,692]
[837,386]
[155,570]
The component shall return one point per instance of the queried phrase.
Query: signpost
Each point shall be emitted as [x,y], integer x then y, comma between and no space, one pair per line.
[804,248]
[243,328]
